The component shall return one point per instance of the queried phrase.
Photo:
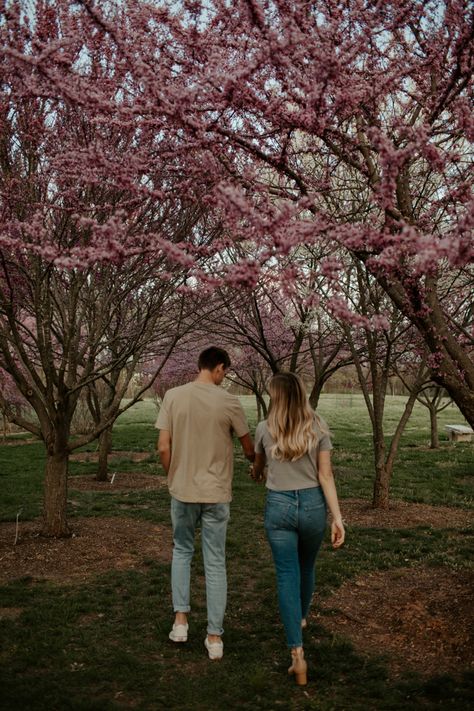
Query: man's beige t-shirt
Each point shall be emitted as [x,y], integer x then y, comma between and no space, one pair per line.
[201,419]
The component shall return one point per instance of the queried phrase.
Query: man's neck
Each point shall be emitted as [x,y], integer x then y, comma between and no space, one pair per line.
[205,376]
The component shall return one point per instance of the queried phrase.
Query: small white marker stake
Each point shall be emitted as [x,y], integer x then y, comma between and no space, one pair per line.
[17,526]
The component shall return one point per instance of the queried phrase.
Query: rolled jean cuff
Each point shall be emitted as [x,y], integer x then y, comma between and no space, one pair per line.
[218,632]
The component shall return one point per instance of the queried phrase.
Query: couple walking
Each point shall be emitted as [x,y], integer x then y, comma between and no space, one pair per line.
[197,422]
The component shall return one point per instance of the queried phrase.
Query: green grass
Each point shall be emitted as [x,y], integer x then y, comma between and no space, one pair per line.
[103,644]
[438,476]
[21,480]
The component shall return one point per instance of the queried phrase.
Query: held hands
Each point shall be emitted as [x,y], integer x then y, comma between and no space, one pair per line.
[258,477]
[338,533]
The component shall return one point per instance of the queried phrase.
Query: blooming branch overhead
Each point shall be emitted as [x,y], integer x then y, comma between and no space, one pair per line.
[286,123]
[262,109]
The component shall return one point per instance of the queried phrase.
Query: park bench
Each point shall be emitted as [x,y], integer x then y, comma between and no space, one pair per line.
[459,433]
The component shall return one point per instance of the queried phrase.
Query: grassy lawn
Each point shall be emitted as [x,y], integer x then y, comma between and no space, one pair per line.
[102,644]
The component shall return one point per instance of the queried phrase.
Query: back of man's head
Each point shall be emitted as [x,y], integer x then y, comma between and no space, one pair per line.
[212,357]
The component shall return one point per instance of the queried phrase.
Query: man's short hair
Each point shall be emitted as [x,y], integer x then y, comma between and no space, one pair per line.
[212,357]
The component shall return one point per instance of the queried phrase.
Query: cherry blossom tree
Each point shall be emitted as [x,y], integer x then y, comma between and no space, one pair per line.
[382,92]
[376,351]
[434,398]
[70,330]
[270,107]
[271,328]
[430,395]
[181,366]
[377,91]
[68,324]
[252,372]
[159,337]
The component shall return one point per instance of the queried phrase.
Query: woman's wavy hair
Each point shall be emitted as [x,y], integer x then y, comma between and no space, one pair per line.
[290,418]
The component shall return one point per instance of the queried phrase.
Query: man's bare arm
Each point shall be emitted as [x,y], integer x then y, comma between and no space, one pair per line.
[247,445]
[164,449]
[259,466]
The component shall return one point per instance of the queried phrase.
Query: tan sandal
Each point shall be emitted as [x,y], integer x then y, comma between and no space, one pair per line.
[298,666]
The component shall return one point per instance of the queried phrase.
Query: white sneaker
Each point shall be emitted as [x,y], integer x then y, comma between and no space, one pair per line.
[179,633]
[215,649]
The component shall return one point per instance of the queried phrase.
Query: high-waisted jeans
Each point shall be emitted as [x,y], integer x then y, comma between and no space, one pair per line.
[213,519]
[295,522]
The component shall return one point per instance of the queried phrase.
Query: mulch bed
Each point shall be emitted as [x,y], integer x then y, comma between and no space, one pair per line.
[122,481]
[97,545]
[402,514]
[422,618]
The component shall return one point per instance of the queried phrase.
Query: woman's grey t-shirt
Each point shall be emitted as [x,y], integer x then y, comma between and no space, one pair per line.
[300,474]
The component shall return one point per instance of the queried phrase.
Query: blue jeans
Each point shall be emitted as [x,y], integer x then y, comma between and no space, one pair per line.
[295,522]
[213,519]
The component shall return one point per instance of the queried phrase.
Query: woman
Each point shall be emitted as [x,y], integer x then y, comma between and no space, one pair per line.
[294,442]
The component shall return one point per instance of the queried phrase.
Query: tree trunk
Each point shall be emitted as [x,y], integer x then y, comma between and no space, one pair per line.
[457,388]
[316,393]
[379,377]
[55,495]
[384,469]
[382,473]
[261,406]
[381,496]
[105,447]
[384,465]
[434,444]
[455,369]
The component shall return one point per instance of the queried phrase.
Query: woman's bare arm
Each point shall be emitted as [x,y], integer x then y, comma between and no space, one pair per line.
[328,485]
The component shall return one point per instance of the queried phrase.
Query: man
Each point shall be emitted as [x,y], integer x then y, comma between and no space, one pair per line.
[196,423]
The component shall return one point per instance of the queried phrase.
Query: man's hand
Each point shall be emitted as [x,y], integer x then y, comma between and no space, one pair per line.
[258,470]
[247,445]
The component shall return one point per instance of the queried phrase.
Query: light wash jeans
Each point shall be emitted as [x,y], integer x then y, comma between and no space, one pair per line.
[213,519]
[295,522]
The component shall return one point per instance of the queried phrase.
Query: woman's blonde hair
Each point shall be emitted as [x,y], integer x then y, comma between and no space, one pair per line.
[290,418]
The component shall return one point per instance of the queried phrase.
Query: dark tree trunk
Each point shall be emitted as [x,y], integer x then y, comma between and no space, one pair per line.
[105,447]
[55,494]
[384,465]
[316,393]
[434,437]
[457,388]
[381,495]
[262,409]
[455,369]
[381,498]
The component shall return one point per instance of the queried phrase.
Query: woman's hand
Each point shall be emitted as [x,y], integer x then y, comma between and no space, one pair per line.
[338,533]
[257,470]
[257,476]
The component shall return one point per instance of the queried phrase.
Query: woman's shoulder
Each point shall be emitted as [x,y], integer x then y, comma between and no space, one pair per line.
[261,429]
[320,424]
